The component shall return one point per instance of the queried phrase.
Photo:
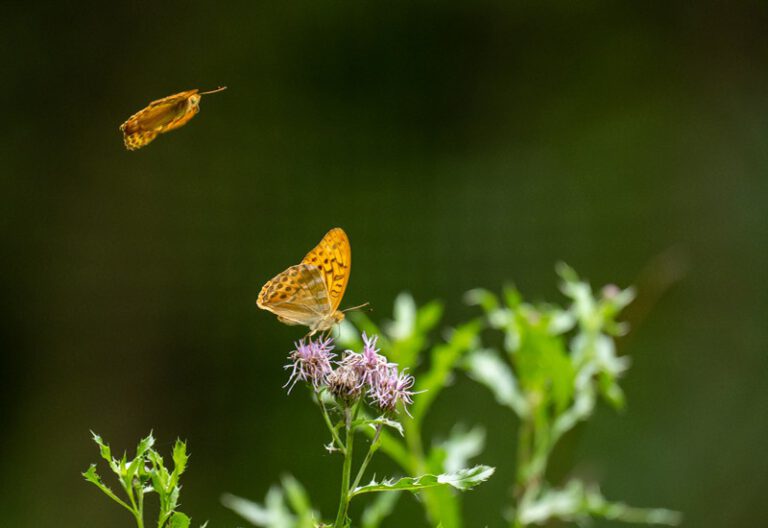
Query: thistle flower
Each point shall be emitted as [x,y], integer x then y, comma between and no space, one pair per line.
[391,389]
[310,362]
[344,383]
[370,366]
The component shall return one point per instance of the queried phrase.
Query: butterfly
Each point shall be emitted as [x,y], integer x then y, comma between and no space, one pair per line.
[163,115]
[309,293]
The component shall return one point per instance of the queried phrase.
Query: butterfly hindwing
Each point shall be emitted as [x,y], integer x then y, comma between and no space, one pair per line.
[298,295]
[333,257]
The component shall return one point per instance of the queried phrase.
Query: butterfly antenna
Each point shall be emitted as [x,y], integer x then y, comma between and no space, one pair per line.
[217,90]
[357,307]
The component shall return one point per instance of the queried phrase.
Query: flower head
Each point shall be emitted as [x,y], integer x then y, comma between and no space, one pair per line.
[344,383]
[392,389]
[310,362]
[369,365]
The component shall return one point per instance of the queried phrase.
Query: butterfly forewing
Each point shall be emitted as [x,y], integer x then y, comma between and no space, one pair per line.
[298,295]
[333,257]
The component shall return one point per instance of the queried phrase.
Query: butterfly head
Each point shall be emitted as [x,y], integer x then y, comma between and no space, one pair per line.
[193,103]
[327,322]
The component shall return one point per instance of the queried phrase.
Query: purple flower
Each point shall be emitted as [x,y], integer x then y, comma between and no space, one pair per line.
[310,362]
[392,389]
[344,383]
[369,365]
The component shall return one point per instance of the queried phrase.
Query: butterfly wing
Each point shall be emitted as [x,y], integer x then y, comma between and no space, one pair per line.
[333,257]
[297,296]
[160,116]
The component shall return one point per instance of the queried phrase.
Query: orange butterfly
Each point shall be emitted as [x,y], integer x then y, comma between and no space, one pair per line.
[309,293]
[163,115]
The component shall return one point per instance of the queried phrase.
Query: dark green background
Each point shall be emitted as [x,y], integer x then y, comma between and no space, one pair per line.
[459,145]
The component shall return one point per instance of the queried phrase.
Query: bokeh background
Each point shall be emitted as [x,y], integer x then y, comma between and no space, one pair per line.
[460,144]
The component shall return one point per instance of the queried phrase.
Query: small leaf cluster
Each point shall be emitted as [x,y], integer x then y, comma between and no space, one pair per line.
[144,474]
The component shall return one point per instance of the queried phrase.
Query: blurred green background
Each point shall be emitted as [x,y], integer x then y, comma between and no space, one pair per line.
[459,145]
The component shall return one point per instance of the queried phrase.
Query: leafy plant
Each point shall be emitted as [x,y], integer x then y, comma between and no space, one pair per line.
[553,365]
[408,341]
[362,392]
[143,474]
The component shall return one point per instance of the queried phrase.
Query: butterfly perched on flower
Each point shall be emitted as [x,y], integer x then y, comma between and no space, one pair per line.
[161,116]
[309,293]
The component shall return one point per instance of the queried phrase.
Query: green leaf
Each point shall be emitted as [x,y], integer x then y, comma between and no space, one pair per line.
[92,476]
[145,444]
[299,500]
[104,450]
[404,322]
[381,420]
[428,316]
[541,362]
[487,368]
[444,358]
[180,459]
[274,513]
[178,520]
[463,480]
[486,299]
[461,446]
[575,502]
[379,509]
[512,296]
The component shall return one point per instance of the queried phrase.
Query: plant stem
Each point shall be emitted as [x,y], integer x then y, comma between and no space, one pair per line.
[138,514]
[331,428]
[368,457]
[346,471]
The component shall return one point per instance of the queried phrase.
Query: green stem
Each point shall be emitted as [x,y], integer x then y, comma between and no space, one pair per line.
[331,428]
[137,513]
[346,472]
[371,450]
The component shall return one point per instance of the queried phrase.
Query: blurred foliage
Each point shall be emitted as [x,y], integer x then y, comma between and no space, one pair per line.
[555,363]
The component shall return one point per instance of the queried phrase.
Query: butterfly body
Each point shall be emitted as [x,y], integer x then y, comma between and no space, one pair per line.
[309,293]
[161,116]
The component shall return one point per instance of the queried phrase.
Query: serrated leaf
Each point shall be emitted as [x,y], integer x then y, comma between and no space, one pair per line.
[104,450]
[91,475]
[463,480]
[180,459]
[145,444]
[487,368]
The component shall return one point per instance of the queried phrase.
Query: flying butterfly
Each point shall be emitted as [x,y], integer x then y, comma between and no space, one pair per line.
[161,116]
[309,293]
